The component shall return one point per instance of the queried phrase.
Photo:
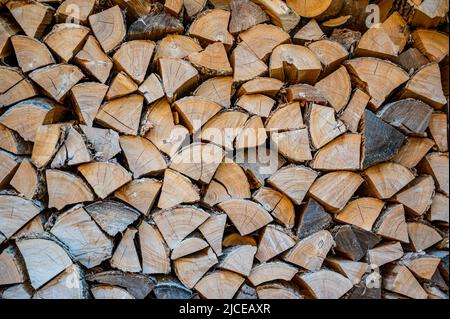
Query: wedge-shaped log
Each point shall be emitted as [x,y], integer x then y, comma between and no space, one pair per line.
[87,98]
[154,252]
[325,284]
[176,190]
[238,259]
[140,193]
[125,256]
[220,284]
[31,53]
[108,27]
[134,57]
[66,39]
[273,241]
[392,224]
[191,269]
[104,178]
[271,271]
[247,216]
[278,204]
[361,212]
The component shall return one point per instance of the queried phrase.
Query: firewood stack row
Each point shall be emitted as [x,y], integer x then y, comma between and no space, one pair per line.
[224,149]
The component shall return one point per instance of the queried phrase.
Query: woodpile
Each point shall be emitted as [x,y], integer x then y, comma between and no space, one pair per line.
[224,149]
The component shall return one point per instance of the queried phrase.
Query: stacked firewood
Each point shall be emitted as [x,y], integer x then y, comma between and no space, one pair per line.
[224,149]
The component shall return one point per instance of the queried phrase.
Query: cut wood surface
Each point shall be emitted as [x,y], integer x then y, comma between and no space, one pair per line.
[224,149]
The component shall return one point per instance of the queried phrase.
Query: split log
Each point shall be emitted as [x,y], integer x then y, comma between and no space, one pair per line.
[385,254]
[426,85]
[400,280]
[412,152]
[174,7]
[154,26]
[35,226]
[104,178]
[411,60]
[370,72]
[193,7]
[278,204]
[125,256]
[330,53]
[140,193]
[12,272]
[93,60]
[212,26]
[386,179]
[353,270]
[176,46]
[293,181]
[392,224]
[352,242]
[154,252]
[66,189]
[417,196]
[436,164]
[425,13]
[323,126]
[188,246]
[188,160]
[66,12]
[178,76]
[438,130]
[223,128]
[284,142]
[244,15]
[136,8]
[196,111]
[177,189]
[381,141]
[66,39]
[191,269]
[310,252]
[108,27]
[212,229]
[12,142]
[433,44]
[73,150]
[262,39]
[8,167]
[110,292]
[8,28]
[235,239]
[246,64]
[308,33]
[174,224]
[43,258]
[305,93]
[17,89]
[361,212]
[422,236]
[151,89]
[67,285]
[213,61]
[170,288]
[122,115]
[57,80]
[325,284]
[221,284]
[386,41]
[247,216]
[87,98]
[121,85]
[83,238]
[31,54]
[285,117]
[33,17]
[103,142]
[312,219]
[439,209]
[258,104]
[15,212]
[238,259]
[273,241]
[18,292]
[163,132]
[294,64]
[216,89]
[423,266]
[334,190]
[271,271]
[27,180]
[342,153]
[134,57]
[113,217]
[252,135]
[281,14]
[142,156]
[138,285]
[278,290]
[48,138]
[336,22]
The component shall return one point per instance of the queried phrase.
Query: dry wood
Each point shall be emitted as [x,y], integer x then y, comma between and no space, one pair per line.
[121,85]
[278,204]
[217,89]
[281,14]
[8,28]
[323,126]
[246,64]
[66,12]
[66,39]
[417,196]
[385,254]
[110,292]
[27,181]
[140,193]
[108,27]
[191,269]
[176,190]
[278,290]
[196,111]
[154,252]
[438,130]
[238,259]
[273,241]
[392,224]
[212,26]
[271,271]
[31,54]
[436,164]
[87,98]
[439,209]
[351,269]
[309,32]
[228,282]
[125,256]
[422,236]
[433,44]
[325,284]
[353,242]
[154,26]
[361,212]
[212,229]
[188,246]
[104,142]
[343,153]
[244,15]
[401,280]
